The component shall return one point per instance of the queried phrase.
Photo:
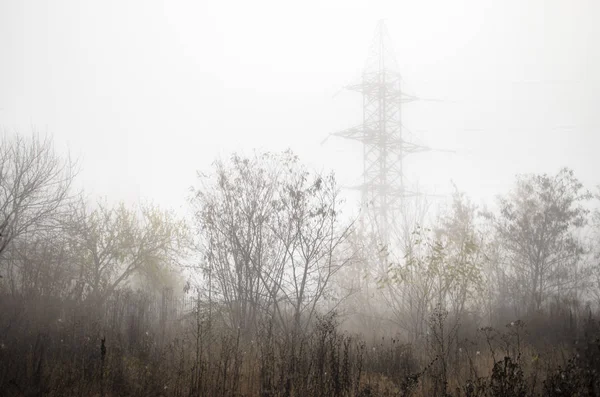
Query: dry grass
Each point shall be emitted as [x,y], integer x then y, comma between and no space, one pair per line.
[47,351]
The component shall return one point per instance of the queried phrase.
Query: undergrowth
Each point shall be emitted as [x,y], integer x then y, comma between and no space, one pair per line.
[85,352]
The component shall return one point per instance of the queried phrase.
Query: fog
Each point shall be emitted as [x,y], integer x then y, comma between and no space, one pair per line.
[147,92]
[177,218]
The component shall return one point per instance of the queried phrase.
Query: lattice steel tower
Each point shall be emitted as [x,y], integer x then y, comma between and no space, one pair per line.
[381,133]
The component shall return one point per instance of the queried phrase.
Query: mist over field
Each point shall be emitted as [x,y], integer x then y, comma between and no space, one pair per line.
[336,198]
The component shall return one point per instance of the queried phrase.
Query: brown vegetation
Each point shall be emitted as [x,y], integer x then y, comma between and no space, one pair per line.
[270,291]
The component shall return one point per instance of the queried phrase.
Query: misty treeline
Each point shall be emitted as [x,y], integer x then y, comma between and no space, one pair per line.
[267,288]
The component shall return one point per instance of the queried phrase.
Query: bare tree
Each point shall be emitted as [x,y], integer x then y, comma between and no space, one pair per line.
[377,302]
[442,268]
[461,244]
[39,265]
[536,228]
[34,186]
[313,237]
[233,212]
[269,231]
[115,243]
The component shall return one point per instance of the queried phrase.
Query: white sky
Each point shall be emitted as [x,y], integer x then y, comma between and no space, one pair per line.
[146,92]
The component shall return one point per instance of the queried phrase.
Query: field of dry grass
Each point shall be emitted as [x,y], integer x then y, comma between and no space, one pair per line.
[52,350]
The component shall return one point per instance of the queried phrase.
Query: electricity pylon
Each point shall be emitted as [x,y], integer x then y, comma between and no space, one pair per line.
[383,189]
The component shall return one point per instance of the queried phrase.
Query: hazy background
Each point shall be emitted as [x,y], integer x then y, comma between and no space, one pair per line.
[146,92]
